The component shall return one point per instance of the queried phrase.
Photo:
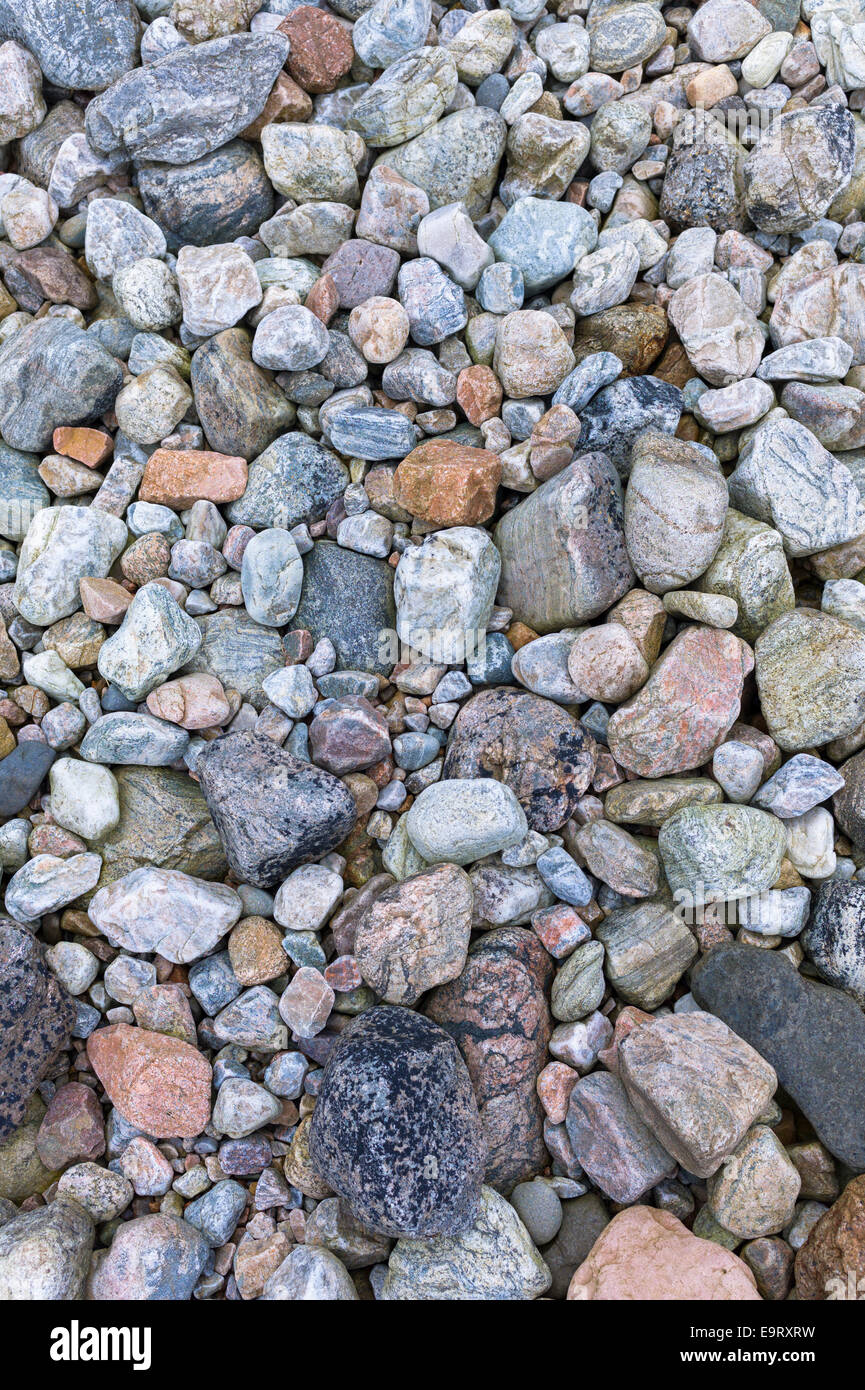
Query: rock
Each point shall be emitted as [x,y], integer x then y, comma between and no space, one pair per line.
[84,799]
[295,480]
[543,240]
[153,1258]
[241,410]
[156,638]
[832,937]
[497,1013]
[831,1260]
[535,748]
[721,852]
[166,911]
[88,48]
[448,484]
[456,160]
[309,1273]
[681,1266]
[696,1084]
[223,195]
[444,591]
[416,934]
[754,1191]
[272,811]
[495,1260]
[36,1016]
[158,1083]
[156,112]
[719,332]
[807,650]
[72,1128]
[571,527]
[648,949]
[725,31]
[652,802]
[102,1194]
[164,824]
[217,285]
[271,577]
[750,567]
[406,99]
[623,36]
[458,821]
[47,882]
[321,50]
[179,478]
[45,1253]
[21,774]
[412,1169]
[51,373]
[810,1033]
[675,507]
[611,1142]
[682,713]
[311,162]
[819,143]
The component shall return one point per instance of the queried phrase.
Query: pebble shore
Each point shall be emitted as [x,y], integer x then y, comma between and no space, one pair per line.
[432,650]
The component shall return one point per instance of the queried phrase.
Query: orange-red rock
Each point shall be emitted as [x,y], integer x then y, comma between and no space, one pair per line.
[831,1263]
[179,477]
[448,484]
[158,1083]
[87,446]
[321,48]
[104,600]
[646,1254]
[479,393]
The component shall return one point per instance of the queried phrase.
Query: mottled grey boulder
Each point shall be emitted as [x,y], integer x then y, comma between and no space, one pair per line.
[21,774]
[348,597]
[703,181]
[813,1035]
[52,373]
[155,639]
[240,407]
[810,670]
[721,852]
[78,43]
[223,195]
[294,480]
[456,160]
[614,419]
[675,507]
[409,97]
[542,239]
[396,1130]
[133,739]
[240,651]
[195,100]
[164,823]
[45,1254]
[62,545]
[834,938]
[272,811]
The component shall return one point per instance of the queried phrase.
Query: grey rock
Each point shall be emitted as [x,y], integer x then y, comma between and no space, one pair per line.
[543,239]
[240,651]
[348,598]
[88,45]
[456,160]
[133,739]
[51,373]
[63,544]
[617,415]
[155,639]
[223,195]
[611,1142]
[45,1253]
[293,481]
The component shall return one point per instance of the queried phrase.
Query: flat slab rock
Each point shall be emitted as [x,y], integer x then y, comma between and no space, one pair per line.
[813,1035]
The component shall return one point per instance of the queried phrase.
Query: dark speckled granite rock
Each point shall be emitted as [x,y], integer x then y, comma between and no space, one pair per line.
[396,1130]
[835,936]
[240,407]
[272,811]
[348,597]
[294,480]
[77,43]
[813,1035]
[532,745]
[498,1015]
[223,195]
[36,1015]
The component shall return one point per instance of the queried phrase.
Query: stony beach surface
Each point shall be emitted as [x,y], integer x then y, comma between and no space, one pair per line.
[432,650]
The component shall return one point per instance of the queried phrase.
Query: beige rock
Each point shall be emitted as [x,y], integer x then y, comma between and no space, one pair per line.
[531,357]
[719,332]
[197,701]
[754,1191]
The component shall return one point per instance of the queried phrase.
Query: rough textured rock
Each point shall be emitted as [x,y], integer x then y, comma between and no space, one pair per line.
[45,1254]
[271,810]
[530,744]
[36,1016]
[497,1013]
[833,1257]
[366,1146]
[158,1083]
[416,934]
[51,373]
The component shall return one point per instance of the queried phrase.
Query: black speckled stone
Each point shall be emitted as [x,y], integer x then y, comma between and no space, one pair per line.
[614,418]
[348,597]
[813,1035]
[223,195]
[21,774]
[271,810]
[396,1130]
[36,1015]
[240,407]
[530,744]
